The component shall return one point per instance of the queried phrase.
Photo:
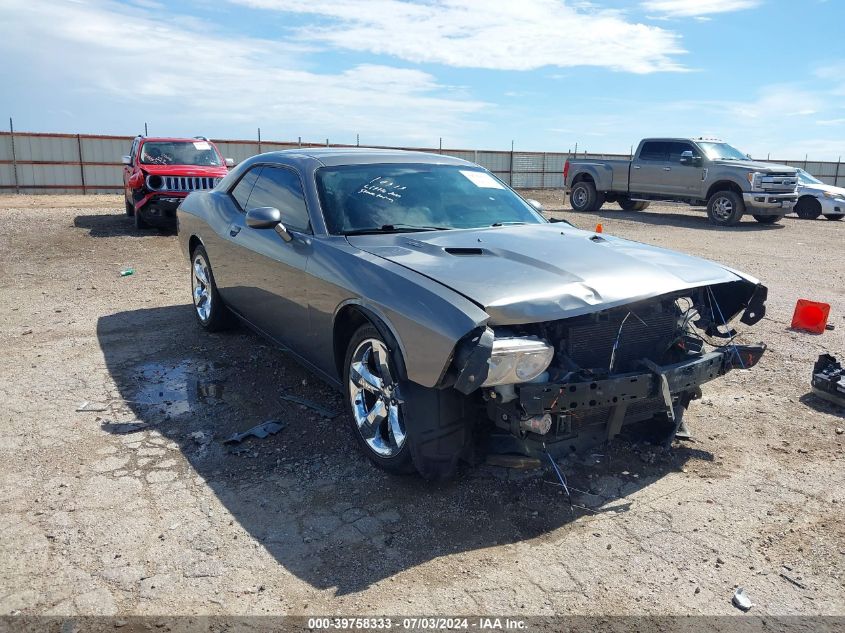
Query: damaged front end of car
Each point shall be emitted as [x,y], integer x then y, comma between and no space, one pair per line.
[564,385]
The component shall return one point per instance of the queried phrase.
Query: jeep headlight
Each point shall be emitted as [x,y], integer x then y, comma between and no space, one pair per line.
[515,360]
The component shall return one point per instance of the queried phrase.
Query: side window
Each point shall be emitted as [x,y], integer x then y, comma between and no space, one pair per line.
[676,148]
[133,153]
[281,188]
[240,192]
[654,150]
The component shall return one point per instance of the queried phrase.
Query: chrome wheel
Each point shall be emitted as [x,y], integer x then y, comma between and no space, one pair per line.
[201,283]
[723,208]
[375,399]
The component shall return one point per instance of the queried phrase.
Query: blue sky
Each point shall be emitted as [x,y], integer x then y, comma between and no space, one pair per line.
[766,75]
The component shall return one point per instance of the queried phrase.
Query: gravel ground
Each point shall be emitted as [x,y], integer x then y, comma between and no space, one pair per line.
[140,509]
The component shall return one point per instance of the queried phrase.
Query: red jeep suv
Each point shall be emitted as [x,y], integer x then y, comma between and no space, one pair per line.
[159,173]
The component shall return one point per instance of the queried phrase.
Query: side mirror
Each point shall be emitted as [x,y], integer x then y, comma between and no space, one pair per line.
[268,218]
[127,160]
[230,162]
[537,205]
[688,158]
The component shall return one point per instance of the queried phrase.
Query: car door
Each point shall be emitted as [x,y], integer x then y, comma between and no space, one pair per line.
[651,172]
[263,277]
[686,178]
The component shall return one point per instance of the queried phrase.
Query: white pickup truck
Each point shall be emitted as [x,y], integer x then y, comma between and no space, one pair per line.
[697,171]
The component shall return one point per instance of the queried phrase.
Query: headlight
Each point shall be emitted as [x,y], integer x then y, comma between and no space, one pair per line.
[754,178]
[155,182]
[833,196]
[516,360]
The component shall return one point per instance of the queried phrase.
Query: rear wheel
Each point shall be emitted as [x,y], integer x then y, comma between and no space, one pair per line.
[808,208]
[584,197]
[832,216]
[725,208]
[768,219]
[632,205]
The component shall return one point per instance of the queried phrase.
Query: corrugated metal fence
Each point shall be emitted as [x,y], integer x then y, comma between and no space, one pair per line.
[82,163]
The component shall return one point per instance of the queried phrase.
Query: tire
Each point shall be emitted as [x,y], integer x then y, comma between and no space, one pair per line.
[584,197]
[140,224]
[130,208]
[808,208]
[372,397]
[725,208]
[209,308]
[436,433]
[632,205]
[833,217]
[768,219]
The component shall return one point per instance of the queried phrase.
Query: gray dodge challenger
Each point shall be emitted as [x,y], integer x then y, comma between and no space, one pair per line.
[454,317]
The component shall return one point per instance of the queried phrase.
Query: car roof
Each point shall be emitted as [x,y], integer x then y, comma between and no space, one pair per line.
[333,156]
[173,139]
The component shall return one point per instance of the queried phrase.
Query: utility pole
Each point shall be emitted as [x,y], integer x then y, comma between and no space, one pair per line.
[145,129]
[357,140]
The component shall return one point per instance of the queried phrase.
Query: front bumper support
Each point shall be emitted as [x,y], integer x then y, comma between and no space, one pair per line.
[567,397]
[764,203]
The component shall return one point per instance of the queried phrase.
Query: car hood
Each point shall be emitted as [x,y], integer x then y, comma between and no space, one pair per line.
[533,273]
[185,170]
[766,168]
[821,187]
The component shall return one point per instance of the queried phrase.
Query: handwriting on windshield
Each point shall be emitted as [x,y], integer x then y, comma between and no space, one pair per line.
[383,189]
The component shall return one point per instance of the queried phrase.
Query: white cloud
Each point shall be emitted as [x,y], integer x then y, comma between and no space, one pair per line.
[690,8]
[489,34]
[183,70]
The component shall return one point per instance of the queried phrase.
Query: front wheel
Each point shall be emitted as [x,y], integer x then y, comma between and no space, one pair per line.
[768,219]
[808,208]
[208,307]
[833,217]
[130,208]
[725,208]
[374,402]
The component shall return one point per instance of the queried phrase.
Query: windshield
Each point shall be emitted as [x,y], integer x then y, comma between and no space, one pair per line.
[806,179]
[199,153]
[400,197]
[715,151]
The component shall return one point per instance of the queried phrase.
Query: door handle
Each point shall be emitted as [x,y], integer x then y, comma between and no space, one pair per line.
[636,166]
[667,169]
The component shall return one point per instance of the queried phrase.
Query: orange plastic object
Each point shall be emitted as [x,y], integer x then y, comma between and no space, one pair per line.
[810,316]
[599,228]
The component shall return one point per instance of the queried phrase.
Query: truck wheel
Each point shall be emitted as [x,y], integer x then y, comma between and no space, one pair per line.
[768,219]
[130,208]
[832,217]
[725,208]
[400,425]
[808,208]
[632,205]
[584,197]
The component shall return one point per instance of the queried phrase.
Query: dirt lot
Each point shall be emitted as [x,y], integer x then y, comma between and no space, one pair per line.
[161,518]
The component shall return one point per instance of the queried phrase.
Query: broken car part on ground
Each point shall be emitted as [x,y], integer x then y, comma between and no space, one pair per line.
[449,311]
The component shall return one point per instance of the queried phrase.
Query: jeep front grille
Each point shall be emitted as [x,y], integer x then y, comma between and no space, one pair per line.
[181,183]
[188,183]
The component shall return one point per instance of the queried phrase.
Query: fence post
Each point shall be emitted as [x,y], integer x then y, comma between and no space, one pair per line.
[805,161]
[836,177]
[543,177]
[511,166]
[259,140]
[14,156]
[440,146]
[300,142]
[81,166]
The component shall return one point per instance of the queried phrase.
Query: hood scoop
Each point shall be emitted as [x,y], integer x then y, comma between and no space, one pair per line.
[464,251]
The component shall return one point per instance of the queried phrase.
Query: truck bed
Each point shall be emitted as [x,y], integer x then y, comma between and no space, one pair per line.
[610,175]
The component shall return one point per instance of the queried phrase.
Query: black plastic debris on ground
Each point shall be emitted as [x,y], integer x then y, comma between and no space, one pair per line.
[828,380]
[323,411]
[261,431]
[121,428]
